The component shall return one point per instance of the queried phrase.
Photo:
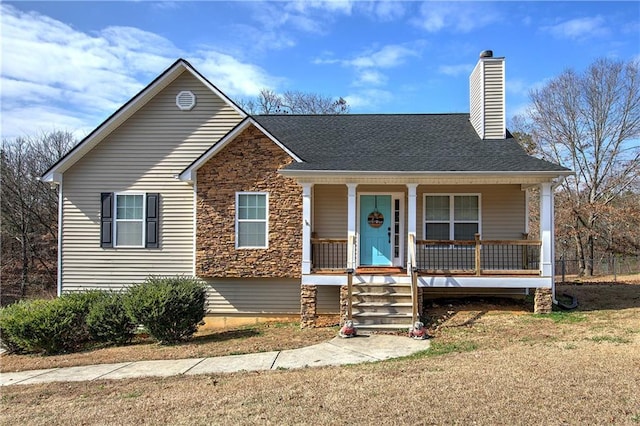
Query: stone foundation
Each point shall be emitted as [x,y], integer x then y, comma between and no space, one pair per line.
[344,304]
[543,302]
[308,306]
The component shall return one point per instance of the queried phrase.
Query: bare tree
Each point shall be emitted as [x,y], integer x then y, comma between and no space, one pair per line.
[29,211]
[294,102]
[590,122]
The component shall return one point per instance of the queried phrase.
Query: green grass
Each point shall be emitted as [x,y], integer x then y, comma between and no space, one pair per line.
[563,317]
[610,339]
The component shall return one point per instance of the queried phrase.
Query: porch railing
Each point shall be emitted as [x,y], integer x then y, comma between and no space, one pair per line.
[329,254]
[478,257]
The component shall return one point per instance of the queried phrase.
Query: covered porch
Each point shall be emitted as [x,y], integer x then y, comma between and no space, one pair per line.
[385,243]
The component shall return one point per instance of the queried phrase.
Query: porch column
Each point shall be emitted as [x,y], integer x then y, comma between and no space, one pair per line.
[411,221]
[546,229]
[306,228]
[351,224]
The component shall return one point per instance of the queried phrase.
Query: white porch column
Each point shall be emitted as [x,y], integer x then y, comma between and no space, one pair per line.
[546,229]
[411,220]
[351,225]
[306,228]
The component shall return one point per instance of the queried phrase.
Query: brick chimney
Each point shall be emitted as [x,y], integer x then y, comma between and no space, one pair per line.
[487,97]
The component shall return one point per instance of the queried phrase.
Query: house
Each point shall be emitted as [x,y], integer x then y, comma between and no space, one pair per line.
[305,215]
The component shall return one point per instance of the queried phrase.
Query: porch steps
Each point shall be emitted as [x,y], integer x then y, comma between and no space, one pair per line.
[381,306]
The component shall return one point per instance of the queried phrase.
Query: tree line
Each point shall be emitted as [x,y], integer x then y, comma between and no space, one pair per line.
[587,121]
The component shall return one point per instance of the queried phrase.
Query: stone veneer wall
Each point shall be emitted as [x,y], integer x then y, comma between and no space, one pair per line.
[248,163]
[308,306]
[543,302]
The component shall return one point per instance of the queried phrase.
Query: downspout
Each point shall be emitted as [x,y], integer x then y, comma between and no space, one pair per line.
[59,271]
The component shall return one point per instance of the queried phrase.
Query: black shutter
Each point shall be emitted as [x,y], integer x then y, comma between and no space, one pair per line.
[152,220]
[106,219]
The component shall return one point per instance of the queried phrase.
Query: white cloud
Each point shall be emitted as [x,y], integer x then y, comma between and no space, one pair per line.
[233,77]
[456,70]
[459,17]
[72,80]
[368,99]
[388,57]
[579,28]
[371,78]
[385,10]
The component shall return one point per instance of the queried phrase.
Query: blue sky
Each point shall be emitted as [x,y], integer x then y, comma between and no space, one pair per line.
[69,65]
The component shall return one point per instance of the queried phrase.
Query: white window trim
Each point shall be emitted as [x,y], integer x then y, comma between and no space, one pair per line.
[116,220]
[451,220]
[265,220]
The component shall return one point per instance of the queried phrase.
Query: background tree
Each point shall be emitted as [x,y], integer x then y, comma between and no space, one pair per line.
[29,213]
[294,102]
[590,122]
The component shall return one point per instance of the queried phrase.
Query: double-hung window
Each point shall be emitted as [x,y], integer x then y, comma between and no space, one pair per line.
[129,220]
[451,216]
[252,223]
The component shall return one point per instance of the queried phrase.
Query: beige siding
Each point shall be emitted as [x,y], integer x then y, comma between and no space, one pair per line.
[328,299]
[487,103]
[494,119]
[144,154]
[502,208]
[476,99]
[330,211]
[253,296]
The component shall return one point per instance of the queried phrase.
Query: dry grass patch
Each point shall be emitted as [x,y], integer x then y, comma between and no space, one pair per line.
[207,343]
[504,366]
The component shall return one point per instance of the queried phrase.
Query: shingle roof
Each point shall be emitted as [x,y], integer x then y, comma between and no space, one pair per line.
[397,142]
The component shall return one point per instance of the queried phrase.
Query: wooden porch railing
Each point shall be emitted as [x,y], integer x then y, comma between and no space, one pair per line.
[478,257]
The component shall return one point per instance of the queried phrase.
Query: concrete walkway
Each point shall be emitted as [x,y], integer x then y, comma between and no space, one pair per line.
[337,351]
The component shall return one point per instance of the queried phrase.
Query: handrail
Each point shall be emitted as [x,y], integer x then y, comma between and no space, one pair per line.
[327,240]
[350,270]
[414,278]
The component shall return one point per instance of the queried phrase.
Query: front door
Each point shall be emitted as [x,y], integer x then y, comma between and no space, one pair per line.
[375,230]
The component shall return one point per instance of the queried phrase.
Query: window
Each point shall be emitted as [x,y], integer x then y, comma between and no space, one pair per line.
[451,217]
[252,214]
[129,220]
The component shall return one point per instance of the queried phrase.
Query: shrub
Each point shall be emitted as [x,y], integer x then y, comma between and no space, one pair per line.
[47,326]
[169,308]
[11,318]
[108,320]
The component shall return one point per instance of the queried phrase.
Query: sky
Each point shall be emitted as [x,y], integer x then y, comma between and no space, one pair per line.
[69,65]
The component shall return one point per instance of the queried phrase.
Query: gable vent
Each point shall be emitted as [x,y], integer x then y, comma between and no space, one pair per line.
[186,100]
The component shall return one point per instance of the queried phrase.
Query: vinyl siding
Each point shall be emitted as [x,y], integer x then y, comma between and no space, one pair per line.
[494,119]
[502,208]
[330,211]
[487,102]
[144,155]
[264,296]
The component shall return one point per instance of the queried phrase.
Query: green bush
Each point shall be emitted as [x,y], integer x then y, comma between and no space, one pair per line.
[108,320]
[169,308]
[47,326]
[11,318]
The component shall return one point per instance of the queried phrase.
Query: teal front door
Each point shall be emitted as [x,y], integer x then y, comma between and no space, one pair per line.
[375,230]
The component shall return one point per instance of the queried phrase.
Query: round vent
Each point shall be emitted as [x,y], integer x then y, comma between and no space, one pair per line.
[186,100]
